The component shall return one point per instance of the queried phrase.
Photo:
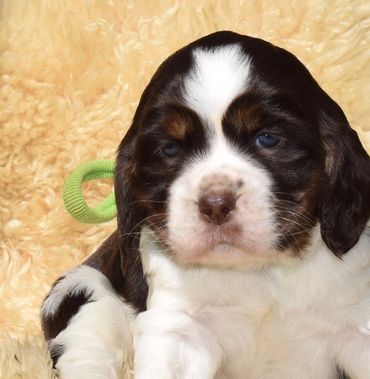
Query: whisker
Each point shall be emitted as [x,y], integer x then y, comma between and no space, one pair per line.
[289,234]
[294,222]
[299,218]
[147,218]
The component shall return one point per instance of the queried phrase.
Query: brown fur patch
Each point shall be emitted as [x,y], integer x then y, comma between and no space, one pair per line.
[178,124]
[244,114]
[296,219]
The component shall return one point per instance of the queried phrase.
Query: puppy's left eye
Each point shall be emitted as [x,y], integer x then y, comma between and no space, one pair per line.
[171,149]
[266,141]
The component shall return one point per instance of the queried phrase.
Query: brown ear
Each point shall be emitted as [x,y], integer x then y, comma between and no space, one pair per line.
[129,223]
[345,208]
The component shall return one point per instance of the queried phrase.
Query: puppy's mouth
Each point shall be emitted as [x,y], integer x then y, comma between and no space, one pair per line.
[224,233]
[212,236]
[220,242]
[222,239]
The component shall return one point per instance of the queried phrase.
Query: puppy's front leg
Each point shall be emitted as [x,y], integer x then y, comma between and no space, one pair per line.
[172,344]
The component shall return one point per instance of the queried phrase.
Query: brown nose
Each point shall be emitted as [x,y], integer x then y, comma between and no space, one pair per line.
[215,207]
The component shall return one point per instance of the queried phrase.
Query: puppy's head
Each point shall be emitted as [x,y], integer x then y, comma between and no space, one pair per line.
[235,154]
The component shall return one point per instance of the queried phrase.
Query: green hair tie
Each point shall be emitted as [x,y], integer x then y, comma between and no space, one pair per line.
[74,200]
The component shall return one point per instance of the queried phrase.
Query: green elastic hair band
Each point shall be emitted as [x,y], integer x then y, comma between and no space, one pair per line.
[74,200]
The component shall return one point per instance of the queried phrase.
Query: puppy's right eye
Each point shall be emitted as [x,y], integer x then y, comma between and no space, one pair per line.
[171,149]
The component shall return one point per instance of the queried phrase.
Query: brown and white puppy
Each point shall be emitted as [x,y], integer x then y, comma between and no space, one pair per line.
[242,248]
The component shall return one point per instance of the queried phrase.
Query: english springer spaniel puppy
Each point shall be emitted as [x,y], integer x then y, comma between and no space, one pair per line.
[242,248]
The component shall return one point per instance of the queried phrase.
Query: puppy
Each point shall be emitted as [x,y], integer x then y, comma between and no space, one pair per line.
[242,248]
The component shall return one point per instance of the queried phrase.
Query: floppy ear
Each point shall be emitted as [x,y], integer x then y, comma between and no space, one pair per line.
[345,208]
[129,222]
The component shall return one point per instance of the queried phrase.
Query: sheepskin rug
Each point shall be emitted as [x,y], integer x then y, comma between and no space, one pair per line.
[71,74]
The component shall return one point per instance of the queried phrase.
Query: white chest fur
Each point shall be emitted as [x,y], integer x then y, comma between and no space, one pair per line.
[275,323]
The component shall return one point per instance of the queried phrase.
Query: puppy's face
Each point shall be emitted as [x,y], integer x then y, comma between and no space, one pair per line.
[230,156]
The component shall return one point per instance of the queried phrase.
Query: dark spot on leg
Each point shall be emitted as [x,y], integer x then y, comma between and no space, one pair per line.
[341,374]
[56,350]
[53,324]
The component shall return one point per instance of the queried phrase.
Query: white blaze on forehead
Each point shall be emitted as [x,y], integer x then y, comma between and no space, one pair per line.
[219,75]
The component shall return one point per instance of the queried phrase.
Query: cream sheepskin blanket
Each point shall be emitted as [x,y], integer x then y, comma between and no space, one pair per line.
[71,74]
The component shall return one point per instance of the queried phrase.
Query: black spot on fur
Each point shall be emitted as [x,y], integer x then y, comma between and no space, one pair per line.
[53,324]
[56,350]
[341,374]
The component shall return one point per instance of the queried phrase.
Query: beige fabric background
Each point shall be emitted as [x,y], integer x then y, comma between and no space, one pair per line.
[71,75]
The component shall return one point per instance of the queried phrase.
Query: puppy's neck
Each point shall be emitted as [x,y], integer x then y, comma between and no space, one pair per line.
[297,283]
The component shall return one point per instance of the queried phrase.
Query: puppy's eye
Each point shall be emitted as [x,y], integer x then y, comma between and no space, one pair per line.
[171,149]
[266,141]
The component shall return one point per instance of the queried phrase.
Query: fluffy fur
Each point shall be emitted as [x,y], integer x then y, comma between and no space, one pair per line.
[221,338]
[58,92]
